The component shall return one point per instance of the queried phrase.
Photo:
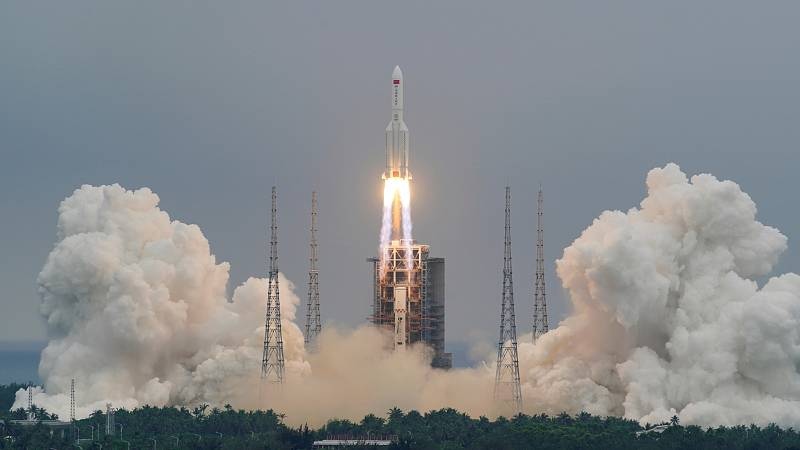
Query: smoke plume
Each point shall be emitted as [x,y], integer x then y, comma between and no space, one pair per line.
[136,309]
[667,320]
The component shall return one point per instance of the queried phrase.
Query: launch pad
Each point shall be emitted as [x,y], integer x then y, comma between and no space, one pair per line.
[409,299]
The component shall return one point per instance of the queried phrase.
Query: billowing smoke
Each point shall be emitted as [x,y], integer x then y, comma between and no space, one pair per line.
[136,309]
[136,312]
[666,320]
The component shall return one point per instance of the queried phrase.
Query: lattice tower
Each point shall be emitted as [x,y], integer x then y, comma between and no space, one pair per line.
[72,400]
[506,382]
[313,322]
[540,323]
[272,364]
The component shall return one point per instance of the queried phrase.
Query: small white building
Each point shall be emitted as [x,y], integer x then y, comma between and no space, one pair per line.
[355,441]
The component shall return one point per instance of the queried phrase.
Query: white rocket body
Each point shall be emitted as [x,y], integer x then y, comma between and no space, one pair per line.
[397,133]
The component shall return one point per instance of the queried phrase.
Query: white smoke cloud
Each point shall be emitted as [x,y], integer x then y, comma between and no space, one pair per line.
[136,310]
[666,320]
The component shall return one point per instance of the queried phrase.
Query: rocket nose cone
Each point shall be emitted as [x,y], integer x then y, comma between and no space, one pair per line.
[397,74]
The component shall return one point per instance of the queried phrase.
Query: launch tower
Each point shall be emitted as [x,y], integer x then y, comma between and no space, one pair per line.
[410,302]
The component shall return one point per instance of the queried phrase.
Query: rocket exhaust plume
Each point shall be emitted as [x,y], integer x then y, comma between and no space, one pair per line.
[396,223]
[405,200]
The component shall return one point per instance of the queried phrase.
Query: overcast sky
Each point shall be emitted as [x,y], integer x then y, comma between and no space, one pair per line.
[210,103]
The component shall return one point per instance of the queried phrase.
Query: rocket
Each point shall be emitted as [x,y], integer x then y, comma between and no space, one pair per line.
[397,133]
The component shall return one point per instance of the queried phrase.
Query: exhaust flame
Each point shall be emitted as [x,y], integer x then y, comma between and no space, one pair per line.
[396,215]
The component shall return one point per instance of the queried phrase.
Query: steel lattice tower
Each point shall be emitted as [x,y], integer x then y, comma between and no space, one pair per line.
[272,367]
[72,408]
[506,381]
[31,415]
[540,325]
[72,400]
[313,323]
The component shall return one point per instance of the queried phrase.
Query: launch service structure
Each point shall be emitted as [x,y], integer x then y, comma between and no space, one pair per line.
[408,284]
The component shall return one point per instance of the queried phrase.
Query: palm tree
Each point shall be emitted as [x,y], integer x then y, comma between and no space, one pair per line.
[395,415]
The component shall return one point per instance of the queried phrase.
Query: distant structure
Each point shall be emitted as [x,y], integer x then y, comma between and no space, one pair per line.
[368,441]
[72,400]
[31,414]
[506,381]
[72,409]
[109,420]
[272,367]
[313,322]
[31,420]
[540,324]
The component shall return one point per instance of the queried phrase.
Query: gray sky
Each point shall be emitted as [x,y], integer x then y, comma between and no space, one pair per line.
[210,103]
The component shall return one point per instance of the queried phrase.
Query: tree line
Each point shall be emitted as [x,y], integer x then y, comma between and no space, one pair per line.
[205,427]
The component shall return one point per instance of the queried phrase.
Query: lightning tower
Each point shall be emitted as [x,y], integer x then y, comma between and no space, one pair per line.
[72,401]
[31,414]
[506,381]
[540,325]
[72,407]
[313,323]
[272,367]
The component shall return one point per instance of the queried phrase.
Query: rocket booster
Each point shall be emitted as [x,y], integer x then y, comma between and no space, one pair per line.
[397,133]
